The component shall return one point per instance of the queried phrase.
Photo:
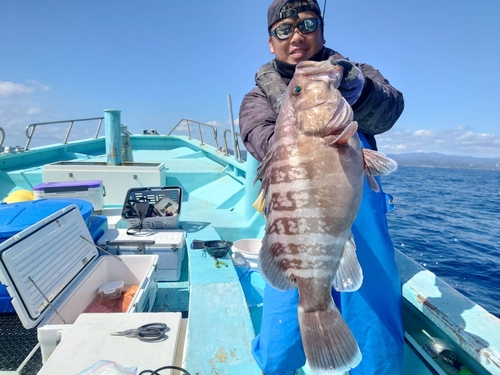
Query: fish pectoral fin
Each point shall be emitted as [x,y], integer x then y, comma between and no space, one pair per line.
[375,164]
[349,275]
[345,136]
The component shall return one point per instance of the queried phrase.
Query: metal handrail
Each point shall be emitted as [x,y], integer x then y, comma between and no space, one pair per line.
[237,151]
[30,129]
[225,150]
[200,124]
[3,136]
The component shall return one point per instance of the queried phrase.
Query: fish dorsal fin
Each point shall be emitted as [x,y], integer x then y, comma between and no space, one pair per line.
[375,164]
[349,275]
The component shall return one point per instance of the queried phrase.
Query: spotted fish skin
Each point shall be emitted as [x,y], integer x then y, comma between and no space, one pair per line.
[312,179]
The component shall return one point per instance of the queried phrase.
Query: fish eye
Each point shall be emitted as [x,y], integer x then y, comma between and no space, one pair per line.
[297,90]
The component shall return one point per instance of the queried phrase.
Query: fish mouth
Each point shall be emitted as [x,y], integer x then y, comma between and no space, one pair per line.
[310,68]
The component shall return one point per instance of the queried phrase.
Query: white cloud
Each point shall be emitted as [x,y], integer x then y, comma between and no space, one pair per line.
[466,136]
[9,89]
[455,141]
[424,133]
[33,111]
[20,105]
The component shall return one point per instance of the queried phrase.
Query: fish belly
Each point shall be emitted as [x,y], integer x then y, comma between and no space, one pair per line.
[312,200]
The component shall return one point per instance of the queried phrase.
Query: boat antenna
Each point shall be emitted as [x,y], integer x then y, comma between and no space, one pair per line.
[324,9]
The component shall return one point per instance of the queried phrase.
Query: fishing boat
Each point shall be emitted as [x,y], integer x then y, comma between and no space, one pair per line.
[216,302]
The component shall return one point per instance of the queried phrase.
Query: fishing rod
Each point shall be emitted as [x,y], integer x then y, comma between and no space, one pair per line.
[324,9]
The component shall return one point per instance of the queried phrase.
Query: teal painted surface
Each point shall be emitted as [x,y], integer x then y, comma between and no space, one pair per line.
[412,364]
[221,344]
[112,123]
[466,325]
[220,328]
[252,187]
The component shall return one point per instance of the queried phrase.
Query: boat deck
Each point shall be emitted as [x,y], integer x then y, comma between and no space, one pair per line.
[212,208]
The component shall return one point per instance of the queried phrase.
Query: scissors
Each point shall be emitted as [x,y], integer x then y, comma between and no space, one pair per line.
[151,332]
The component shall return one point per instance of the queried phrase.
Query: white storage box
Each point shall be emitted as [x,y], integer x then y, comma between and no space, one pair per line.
[168,244]
[153,207]
[53,273]
[88,340]
[89,190]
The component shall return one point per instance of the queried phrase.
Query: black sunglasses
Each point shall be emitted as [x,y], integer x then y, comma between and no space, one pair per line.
[285,30]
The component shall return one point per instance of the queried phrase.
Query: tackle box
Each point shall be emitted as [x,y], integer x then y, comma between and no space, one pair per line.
[157,207]
[89,190]
[53,273]
[169,245]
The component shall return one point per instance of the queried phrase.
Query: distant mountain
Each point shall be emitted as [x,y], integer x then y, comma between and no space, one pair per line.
[437,160]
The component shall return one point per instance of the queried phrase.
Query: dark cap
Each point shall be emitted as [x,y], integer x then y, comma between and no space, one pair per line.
[279,10]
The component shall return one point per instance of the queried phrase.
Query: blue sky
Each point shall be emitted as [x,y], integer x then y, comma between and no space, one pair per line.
[161,61]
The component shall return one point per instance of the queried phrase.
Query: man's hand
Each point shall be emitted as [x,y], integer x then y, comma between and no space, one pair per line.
[352,82]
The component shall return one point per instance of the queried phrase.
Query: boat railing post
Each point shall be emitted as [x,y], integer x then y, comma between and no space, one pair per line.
[251,188]
[112,127]
[233,136]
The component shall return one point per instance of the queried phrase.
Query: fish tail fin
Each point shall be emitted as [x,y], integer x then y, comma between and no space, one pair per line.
[349,275]
[328,342]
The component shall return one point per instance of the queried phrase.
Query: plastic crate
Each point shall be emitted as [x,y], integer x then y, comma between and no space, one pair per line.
[161,207]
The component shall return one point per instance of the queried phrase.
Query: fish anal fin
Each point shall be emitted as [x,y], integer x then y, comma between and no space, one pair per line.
[349,275]
[345,136]
[329,345]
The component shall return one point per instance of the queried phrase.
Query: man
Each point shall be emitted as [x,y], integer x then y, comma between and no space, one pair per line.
[373,312]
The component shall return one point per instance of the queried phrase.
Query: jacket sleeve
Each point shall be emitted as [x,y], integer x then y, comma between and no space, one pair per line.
[379,105]
[257,121]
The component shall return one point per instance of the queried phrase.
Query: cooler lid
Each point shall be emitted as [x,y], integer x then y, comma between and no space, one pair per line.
[39,263]
[15,217]
[67,185]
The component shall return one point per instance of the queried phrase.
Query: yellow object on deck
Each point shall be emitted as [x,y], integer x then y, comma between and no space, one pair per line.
[19,196]
[260,203]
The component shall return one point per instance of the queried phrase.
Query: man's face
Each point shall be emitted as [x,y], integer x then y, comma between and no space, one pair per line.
[299,47]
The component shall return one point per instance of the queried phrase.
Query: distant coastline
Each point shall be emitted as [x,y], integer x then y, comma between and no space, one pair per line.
[437,160]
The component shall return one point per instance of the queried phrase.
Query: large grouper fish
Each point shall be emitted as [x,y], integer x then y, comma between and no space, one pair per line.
[312,184]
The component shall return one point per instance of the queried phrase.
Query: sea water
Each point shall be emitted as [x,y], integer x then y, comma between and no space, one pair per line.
[448,220]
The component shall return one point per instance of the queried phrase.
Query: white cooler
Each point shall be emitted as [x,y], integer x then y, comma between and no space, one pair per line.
[53,273]
[169,244]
